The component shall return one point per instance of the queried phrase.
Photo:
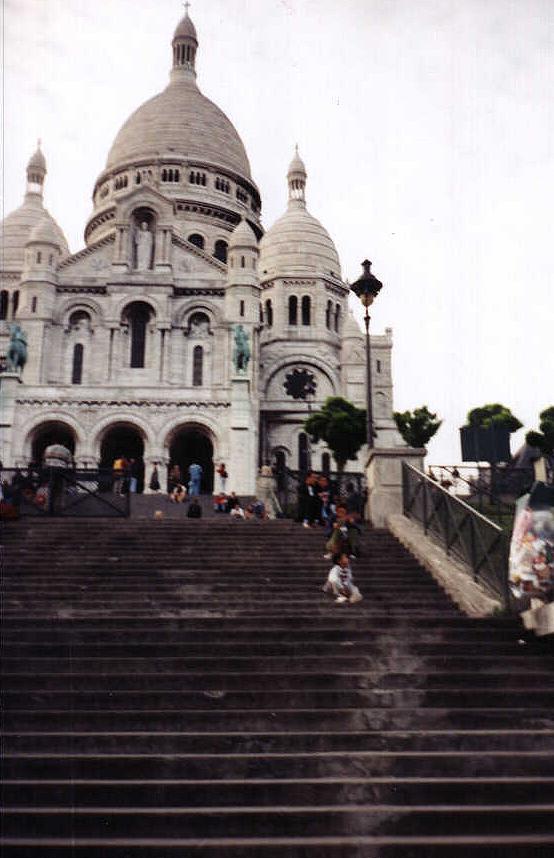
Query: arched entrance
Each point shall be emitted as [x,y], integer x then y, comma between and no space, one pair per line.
[189,445]
[123,440]
[51,432]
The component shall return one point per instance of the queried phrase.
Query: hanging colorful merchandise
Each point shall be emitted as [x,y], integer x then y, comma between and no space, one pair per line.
[532,557]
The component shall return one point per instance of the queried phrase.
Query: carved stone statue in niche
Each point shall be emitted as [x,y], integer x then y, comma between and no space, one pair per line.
[144,246]
[199,326]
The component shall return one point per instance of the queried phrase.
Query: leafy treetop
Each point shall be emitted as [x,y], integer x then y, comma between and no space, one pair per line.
[491,415]
[341,425]
[544,439]
[417,427]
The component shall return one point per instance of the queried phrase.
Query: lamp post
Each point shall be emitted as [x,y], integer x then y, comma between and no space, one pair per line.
[367,288]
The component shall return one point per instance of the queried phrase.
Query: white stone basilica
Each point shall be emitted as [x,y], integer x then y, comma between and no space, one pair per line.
[171,335]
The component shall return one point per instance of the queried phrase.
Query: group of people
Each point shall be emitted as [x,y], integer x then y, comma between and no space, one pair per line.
[232,505]
[320,505]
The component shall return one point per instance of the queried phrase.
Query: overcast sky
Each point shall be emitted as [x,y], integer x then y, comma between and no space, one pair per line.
[426,127]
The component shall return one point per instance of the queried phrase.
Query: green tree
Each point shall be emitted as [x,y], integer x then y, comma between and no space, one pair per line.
[544,439]
[491,415]
[341,425]
[417,427]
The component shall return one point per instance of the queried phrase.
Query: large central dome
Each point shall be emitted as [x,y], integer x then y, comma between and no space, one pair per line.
[183,123]
[180,122]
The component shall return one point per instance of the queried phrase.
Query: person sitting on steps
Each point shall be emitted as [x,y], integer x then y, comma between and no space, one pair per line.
[341,583]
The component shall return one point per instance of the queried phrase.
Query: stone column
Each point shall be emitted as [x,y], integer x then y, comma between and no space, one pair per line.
[162,253]
[266,490]
[384,481]
[9,388]
[243,438]
[121,249]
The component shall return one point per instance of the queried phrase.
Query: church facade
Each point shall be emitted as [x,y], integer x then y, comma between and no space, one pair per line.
[181,331]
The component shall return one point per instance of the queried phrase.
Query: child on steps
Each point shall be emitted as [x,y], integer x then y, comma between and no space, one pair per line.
[340,582]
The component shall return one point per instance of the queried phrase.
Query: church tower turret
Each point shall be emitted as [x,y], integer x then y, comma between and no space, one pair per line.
[36,172]
[185,45]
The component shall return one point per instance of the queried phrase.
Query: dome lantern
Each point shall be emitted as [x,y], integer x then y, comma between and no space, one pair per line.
[36,172]
[184,44]
[296,177]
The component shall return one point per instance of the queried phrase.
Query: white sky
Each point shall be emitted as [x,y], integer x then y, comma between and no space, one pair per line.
[427,131]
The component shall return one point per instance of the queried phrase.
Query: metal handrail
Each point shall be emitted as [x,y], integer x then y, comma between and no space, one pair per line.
[66,493]
[475,540]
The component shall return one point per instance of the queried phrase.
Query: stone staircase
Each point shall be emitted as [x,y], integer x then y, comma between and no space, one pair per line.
[183,688]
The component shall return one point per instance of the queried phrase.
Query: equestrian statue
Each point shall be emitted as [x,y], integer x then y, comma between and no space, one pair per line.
[17,349]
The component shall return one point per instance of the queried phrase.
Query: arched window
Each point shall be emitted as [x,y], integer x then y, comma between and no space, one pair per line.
[293,310]
[39,258]
[241,309]
[4,303]
[197,240]
[242,262]
[303,463]
[269,313]
[34,305]
[197,366]
[328,313]
[138,316]
[306,308]
[80,320]
[15,303]
[326,463]
[77,369]
[337,318]
[220,250]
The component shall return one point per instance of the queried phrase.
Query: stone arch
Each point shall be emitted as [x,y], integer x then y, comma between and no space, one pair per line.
[32,428]
[189,441]
[66,308]
[121,418]
[183,313]
[307,361]
[126,300]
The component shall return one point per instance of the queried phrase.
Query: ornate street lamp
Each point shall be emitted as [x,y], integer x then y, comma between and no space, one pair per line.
[367,288]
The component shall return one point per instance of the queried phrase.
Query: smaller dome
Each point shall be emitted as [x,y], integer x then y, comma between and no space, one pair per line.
[37,161]
[243,236]
[46,232]
[185,29]
[297,244]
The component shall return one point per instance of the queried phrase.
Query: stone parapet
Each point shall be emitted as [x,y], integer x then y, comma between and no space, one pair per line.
[384,480]
[448,572]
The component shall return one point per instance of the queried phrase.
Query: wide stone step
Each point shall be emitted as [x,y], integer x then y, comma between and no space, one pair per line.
[289,742]
[228,649]
[475,664]
[260,634]
[269,720]
[256,681]
[345,846]
[282,699]
[261,792]
[282,821]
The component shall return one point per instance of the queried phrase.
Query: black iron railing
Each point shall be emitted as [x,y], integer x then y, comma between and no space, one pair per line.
[62,492]
[463,531]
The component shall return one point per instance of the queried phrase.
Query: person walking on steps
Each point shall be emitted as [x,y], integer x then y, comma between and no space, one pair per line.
[195,475]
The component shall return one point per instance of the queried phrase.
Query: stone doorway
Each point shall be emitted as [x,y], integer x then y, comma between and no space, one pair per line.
[123,440]
[52,432]
[190,445]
